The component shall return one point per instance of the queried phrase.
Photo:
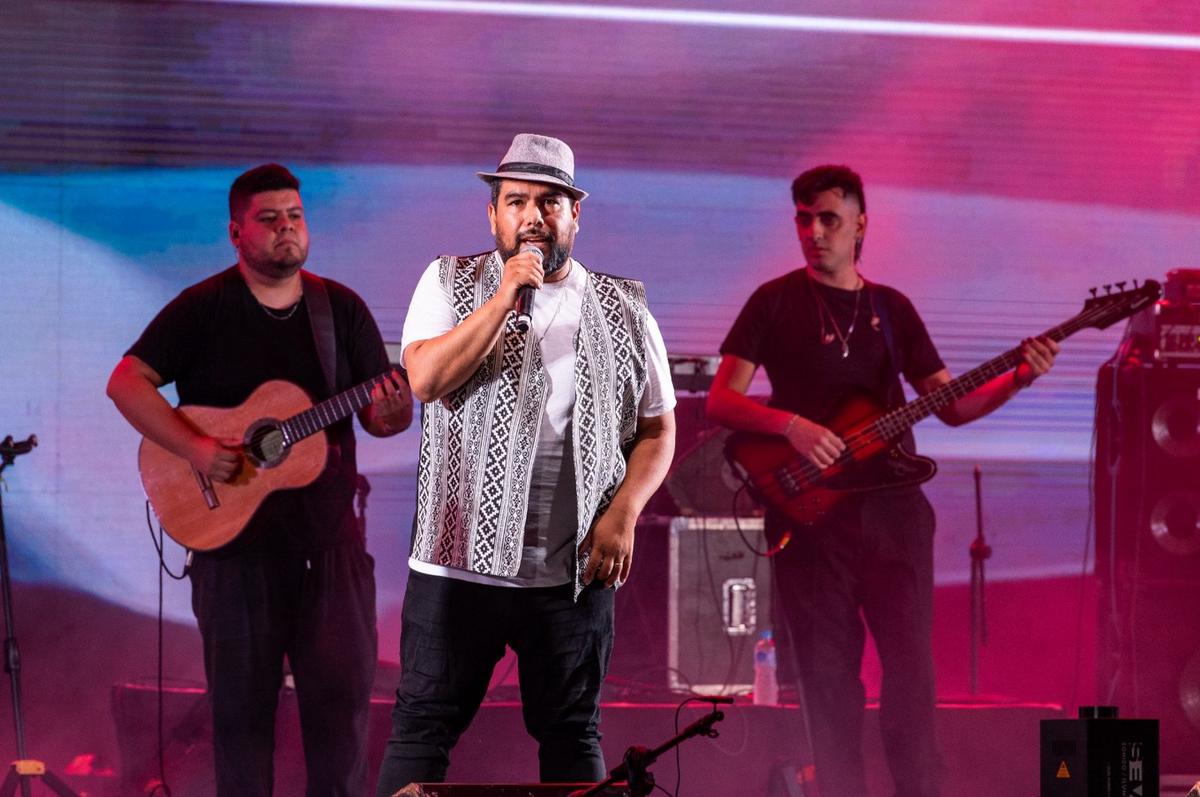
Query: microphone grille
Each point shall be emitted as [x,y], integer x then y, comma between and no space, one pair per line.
[535,249]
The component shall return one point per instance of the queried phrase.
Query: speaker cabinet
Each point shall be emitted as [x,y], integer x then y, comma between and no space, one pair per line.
[1147,491]
[720,599]
[187,739]
[701,481]
[505,790]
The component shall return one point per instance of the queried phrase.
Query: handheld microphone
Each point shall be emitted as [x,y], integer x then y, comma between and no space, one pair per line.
[524,307]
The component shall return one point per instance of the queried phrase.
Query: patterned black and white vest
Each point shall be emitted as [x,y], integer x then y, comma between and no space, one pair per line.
[477,442]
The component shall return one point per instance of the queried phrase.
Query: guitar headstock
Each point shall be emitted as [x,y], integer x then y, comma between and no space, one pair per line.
[1105,309]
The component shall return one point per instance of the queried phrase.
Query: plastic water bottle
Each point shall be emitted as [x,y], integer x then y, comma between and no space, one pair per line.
[766,685]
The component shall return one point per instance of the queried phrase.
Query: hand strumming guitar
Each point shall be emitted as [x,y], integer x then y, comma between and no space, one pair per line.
[814,442]
[219,459]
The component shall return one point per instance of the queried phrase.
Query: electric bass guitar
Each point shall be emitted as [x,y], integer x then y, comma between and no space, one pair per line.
[873,458]
[281,450]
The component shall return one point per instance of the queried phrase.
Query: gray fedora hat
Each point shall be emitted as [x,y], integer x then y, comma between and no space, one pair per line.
[538,159]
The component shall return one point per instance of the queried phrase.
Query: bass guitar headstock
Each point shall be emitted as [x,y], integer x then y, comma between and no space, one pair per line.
[1105,309]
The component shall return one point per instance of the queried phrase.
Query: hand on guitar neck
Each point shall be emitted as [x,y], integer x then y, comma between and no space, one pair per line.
[1037,357]
[391,407]
[813,466]
[208,482]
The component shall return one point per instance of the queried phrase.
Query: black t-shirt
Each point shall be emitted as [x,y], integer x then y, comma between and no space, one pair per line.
[781,329]
[217,344]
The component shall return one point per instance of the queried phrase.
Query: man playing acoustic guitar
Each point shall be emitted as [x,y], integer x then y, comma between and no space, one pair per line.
[297,580]
[825,336]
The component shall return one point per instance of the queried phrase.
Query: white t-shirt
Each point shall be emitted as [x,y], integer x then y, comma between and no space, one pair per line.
[550,525]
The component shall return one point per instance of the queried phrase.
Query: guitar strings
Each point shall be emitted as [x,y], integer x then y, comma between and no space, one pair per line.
[312,420]
[869,435]
[878,430]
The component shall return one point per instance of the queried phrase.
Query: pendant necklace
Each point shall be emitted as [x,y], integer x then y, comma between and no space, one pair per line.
[824,312]
[559,301]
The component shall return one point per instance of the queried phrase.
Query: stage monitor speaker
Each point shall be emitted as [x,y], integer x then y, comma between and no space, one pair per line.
[187,739]
[720,599]
[1099,758]
[504,790]
[1147,498]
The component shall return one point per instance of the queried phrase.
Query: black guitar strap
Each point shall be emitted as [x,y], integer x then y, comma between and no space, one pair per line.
[320,317]
[880,309]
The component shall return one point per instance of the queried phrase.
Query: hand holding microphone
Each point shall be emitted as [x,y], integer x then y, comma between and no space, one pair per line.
[524,308]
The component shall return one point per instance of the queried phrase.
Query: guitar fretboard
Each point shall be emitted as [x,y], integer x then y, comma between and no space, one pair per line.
[329,411]
[798,474]
[893,424]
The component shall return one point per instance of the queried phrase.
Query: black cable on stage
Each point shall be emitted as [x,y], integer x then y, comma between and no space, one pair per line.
[159,544]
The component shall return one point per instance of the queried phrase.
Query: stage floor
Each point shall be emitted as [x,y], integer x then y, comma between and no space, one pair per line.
[986,747]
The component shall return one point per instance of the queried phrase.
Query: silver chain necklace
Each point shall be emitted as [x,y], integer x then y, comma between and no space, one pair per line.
[824,312]
[276,315]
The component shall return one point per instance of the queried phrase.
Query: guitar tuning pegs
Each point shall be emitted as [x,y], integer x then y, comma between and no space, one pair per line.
[1093,291]
[1108,288]
[1121,285]
[1135,285]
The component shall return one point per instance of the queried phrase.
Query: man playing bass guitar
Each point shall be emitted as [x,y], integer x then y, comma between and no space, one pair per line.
[827,337]
[297,580]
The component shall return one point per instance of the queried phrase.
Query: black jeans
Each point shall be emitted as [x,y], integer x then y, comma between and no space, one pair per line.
[871,560]
[319,611]
[452,635]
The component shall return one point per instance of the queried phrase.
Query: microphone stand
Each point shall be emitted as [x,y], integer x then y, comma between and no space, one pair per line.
[634,769]
[23,770]
[980,551]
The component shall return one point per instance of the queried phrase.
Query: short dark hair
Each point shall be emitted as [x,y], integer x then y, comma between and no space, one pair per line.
[268,177]
[827,177]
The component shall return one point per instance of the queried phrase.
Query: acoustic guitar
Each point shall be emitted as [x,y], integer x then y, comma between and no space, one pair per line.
[281,450]
[873,459]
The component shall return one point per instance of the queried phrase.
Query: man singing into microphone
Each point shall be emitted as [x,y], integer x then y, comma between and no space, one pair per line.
[539,449]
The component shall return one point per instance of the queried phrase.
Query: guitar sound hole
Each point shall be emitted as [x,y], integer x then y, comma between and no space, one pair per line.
[265,445]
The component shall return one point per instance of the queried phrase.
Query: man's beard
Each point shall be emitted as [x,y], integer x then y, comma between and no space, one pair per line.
[559,253]
[276,267]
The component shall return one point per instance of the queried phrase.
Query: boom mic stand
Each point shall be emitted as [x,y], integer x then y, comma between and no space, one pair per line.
[23,770]
[634,768]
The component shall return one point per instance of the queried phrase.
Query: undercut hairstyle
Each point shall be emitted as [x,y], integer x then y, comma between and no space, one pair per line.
[825,178]
[268,177]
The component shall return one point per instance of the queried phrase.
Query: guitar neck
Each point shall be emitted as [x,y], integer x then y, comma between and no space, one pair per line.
[329,411]
[896,422]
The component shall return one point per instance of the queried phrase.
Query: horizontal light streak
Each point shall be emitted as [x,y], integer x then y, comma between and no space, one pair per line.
[775,22]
